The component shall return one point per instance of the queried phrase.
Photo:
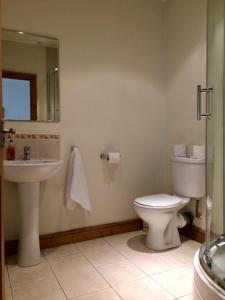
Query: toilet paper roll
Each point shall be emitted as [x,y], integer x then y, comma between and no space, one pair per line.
[114,157]
[198,151]
[180,150]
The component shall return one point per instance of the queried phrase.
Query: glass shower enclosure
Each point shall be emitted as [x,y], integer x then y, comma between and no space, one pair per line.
[212,253]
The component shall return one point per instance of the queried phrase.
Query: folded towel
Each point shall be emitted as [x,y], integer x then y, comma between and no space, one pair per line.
[76,187]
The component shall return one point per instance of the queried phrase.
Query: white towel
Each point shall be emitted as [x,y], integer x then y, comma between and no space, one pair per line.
[76,187]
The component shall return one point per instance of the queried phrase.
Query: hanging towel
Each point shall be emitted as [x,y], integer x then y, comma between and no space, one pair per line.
[76,186]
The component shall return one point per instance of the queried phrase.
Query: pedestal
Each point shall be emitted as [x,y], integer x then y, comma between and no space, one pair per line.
[29,244]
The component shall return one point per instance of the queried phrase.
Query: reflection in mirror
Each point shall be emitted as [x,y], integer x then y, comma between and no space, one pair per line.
[30,77]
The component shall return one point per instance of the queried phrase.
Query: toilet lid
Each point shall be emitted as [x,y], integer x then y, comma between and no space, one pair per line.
[160,200]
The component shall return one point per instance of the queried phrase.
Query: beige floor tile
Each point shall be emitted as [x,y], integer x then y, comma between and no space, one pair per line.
[122,238]
[120,272]
[69,263]
[134,244]
[44,289]
[22,275]
[190,245]
[185,253]
[54,253]
[92,245]
[178,282]
[182,257]
[108,294]
[104,257]
[143,289]
[77,276]
[188,297]
[99,252]
[150,263]
[8,294]
[7,283]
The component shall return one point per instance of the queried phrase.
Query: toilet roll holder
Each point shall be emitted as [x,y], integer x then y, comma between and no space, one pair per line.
[73,146]
[104,156]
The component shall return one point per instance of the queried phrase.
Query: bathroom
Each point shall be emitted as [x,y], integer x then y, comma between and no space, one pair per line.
[128,73]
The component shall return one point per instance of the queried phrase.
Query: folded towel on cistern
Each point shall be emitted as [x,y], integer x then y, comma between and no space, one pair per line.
[76,185]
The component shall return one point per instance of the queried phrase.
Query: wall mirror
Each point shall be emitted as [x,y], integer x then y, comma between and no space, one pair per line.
[30,77]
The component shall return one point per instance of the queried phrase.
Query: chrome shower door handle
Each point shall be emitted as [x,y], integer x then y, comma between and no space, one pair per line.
[199,102]
[207,91]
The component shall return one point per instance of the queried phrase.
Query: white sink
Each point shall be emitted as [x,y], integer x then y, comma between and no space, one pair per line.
[34,170]
[28,175]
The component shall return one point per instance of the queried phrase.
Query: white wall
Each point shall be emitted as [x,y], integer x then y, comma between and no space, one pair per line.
[185,44]
[112,98]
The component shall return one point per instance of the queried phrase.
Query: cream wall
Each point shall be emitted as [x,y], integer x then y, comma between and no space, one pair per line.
[128,77]
[185,44]
[112,86]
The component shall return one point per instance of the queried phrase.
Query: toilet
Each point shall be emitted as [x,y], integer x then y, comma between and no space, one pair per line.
[160,211]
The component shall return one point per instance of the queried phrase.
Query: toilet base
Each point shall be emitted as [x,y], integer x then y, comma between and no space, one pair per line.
[163,238]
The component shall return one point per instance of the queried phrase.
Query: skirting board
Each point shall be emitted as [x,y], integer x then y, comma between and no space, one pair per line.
[194,233]
[93,232]
[79,235]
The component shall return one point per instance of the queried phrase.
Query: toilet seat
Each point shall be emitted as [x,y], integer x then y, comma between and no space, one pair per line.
[160,201]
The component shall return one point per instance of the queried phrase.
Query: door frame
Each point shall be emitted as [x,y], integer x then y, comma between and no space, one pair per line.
[2,215]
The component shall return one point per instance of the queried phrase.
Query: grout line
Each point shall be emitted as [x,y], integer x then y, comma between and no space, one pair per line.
[127,281]
[127,258]
[190,294]
[88,294]
[150,275]
[7,271]
[163,288]
[10,283]
[166,288]
[101,275]
[81,254]
[110,286]
[56,277]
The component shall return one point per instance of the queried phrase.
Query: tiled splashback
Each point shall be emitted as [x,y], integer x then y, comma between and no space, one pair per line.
[42,145]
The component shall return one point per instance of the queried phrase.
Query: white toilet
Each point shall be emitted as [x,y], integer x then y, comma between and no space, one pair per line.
[160,211]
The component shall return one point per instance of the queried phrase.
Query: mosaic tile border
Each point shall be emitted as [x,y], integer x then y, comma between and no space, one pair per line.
[32,136]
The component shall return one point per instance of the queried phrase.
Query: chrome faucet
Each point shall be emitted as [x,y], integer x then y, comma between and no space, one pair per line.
[26,152]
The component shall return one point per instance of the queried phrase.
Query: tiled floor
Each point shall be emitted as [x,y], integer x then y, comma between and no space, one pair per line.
[111,268]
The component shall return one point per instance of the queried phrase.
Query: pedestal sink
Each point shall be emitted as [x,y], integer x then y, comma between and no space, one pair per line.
[28,174]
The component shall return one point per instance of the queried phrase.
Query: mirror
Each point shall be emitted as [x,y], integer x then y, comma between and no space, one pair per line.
[30,77]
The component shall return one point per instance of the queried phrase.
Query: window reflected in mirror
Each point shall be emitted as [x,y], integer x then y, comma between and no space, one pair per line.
[19,96]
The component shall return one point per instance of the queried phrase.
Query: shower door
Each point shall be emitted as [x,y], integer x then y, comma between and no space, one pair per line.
[212,254]
[214,122]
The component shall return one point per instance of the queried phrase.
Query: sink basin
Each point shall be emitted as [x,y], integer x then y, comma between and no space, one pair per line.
[28,174]
[34,170]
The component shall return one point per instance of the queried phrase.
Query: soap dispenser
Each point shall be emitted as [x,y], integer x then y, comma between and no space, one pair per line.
[11,151]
